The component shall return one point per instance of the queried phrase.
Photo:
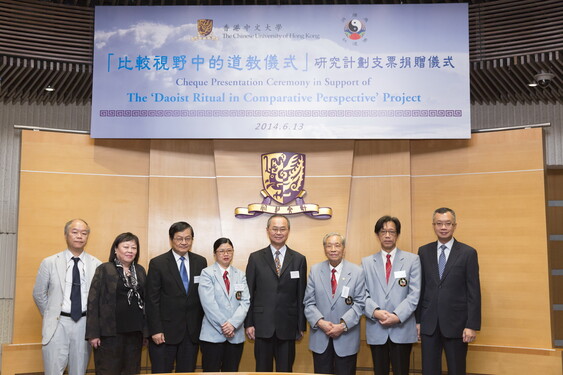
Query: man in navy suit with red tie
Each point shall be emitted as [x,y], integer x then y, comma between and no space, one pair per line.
[449,311]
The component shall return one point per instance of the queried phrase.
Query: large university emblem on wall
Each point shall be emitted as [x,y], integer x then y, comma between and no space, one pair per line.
[283,179]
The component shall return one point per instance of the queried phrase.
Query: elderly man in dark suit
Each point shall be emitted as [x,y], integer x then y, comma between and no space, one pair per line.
[174,312]
[276,277]
[449,311]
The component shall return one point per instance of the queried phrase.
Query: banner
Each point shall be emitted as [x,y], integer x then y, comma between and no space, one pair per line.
[294,71]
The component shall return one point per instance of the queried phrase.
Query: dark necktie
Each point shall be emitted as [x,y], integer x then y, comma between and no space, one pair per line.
[75,294]
[442,260]
[278,263]
[388,268]
[184,274]
[333,283]
[227,282]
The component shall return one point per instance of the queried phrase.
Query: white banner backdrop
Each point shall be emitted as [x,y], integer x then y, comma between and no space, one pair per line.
[334,71]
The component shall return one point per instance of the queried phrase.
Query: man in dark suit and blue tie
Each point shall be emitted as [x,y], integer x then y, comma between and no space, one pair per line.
[449,311]
[276,277]
[174,312]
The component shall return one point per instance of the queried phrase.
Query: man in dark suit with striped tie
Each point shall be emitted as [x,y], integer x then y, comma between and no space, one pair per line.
[276,277]
[449,311]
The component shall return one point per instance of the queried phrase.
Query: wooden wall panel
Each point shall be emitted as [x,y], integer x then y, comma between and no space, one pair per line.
[380,186]
[239,182]
[500,201]
[66,176]
[494,181]
[182,188]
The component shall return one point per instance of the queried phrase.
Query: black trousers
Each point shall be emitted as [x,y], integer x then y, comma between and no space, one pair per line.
[330,363]
[455,349]
[266,350]
[398,355]
[164,355]
[220,357]
[120,354]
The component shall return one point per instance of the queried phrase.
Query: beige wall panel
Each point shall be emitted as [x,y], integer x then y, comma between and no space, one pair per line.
[496,214]
[372,198]
[182,188]
[242,158]
[182,157]
[380,186]
[111,205]
[18,359]
[508,361]
[193,200]
[327,183]
[239,182]
[382,158]
[77,153]
[109,193]
[485,152]
[491,219]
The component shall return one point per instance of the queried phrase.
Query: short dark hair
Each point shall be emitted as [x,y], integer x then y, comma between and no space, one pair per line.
[179,226]
[385,219]
[124,237]
[221,241]
[444,210]
[278,215]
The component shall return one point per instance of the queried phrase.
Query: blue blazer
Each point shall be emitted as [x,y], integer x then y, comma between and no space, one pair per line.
[220,307]
[320,303]
[399,296]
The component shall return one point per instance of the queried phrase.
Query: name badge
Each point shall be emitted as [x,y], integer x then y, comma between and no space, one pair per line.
[400,274]
[196,279]
[345,291]
[294,274]
[239,287]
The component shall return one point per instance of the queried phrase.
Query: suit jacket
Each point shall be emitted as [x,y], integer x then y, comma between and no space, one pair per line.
[455,301]
[169,309]
[320,303]
[48,292]
[399,296]
[276,304]
[101,316]
[220,306]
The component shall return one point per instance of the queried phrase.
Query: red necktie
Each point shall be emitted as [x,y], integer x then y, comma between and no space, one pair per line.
[227,282]
[388,268]
[333,281]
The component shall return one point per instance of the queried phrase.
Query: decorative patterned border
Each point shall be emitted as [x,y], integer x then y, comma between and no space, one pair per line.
[282,113]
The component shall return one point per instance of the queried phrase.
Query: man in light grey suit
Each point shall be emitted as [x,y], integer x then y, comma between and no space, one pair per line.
[61,294]
[393,288]
[334,302]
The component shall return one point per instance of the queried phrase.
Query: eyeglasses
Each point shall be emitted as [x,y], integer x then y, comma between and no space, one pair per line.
[182,239]
[278,229]
[388,232]
[447,224]
[228,251]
